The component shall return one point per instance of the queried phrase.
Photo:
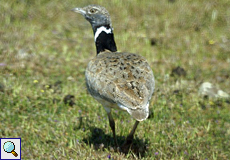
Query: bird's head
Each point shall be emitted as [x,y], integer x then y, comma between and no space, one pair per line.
[95,14]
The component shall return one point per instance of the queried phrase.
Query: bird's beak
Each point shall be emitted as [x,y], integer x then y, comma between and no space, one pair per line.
[79,10]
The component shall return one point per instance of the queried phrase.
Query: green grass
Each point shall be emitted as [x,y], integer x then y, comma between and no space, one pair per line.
[45,48]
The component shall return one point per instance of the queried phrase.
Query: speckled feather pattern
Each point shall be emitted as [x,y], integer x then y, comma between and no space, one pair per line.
[121,78]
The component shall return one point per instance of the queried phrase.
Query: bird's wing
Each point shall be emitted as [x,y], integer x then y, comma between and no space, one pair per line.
[122,78]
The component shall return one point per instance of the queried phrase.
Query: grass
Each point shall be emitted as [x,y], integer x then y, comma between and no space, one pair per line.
[44,50]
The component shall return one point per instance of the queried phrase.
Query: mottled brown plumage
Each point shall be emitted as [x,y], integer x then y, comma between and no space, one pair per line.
[121,78]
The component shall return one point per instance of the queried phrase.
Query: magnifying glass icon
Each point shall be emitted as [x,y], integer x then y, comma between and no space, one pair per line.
[9,147]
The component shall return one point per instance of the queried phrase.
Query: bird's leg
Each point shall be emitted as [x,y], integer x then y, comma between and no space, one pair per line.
[129,138]
[112,125]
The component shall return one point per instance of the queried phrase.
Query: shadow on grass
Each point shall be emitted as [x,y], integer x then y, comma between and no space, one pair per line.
[102,141]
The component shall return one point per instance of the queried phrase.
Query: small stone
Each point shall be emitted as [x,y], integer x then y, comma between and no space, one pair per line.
[178,71]
[153,41]
[101,146]
[69,100]
[222,94]
[209,90]
[70,78]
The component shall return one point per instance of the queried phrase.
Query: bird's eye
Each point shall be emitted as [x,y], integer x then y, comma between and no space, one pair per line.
[92,10]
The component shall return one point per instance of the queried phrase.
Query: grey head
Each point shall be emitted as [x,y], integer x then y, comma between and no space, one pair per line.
[95,14]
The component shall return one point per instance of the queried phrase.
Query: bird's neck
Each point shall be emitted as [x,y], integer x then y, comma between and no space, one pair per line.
[104,39]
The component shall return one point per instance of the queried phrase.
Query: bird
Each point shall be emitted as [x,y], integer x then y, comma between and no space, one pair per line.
[117,80]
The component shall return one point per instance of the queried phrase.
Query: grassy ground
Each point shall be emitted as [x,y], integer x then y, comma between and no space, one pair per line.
[44,50]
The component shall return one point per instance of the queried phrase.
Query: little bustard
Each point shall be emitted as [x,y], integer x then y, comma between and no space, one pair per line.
[116,79]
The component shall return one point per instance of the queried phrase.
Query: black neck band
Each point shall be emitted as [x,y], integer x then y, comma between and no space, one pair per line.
[105,41]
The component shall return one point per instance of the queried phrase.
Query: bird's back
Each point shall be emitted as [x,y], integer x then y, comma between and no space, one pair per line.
[125,79]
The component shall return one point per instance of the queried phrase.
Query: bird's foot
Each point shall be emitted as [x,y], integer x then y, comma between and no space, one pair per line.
[127,144]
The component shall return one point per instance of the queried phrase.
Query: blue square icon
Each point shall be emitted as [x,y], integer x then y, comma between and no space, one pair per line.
[10,148]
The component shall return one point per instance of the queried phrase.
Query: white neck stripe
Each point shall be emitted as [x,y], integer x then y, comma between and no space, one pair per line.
[101,29]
